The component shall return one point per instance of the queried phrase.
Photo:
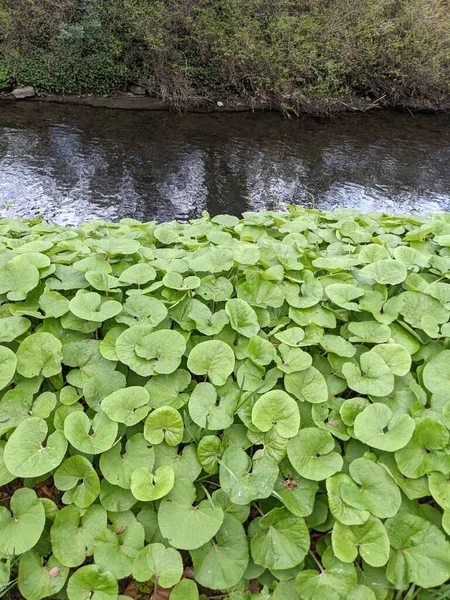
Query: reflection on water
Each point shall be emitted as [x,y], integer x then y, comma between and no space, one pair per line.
[71,164]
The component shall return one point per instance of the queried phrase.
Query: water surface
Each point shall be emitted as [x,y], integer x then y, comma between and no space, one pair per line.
[72,164]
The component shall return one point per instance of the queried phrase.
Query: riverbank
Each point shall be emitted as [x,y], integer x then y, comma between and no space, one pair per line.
[322,107]
[317,57]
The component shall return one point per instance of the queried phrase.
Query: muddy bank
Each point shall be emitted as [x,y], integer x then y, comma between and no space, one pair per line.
[325,106]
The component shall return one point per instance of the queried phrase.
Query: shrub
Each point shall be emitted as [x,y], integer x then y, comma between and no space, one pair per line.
[226,402]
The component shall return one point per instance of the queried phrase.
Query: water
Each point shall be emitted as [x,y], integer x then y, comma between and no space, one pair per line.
[72,164]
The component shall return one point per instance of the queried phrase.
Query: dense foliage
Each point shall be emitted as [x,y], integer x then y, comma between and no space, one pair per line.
[291,53]
[257,408]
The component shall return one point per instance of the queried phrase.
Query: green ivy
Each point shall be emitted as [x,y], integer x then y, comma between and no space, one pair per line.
[228,401]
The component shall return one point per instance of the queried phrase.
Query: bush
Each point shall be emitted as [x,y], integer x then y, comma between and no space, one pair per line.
[226,402]
[298,55]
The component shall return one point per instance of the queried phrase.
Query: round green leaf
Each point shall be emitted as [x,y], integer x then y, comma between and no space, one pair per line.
[164,424]
[90,306]
[436,374]
[282,540]
[88,583]
[277,409]
[386,271]
[77,475]
[115,548]
[396,357]
[372,489]
[39,354]
[369,539]
[308,385]
[37,580]
[186,589]
[186,526]
[146,486]
[214,359]
[211,408]
[421,552]
[90,437]
[374,378]
[221,562]
[27,454]
[162,351]
[128,405]
[312,454]
[160,564]
[21,529]
[242,317]
[244,479]
[81,527]
[8,362]
[377,427]
[118,464]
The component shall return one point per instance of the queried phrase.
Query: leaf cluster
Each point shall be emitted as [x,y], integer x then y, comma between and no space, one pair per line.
[259,399]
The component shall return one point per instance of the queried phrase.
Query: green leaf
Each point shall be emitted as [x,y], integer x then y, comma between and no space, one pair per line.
[128,406]
[8,362]
[372,489]
[210,410]
[277,409]
[370,540]
[386,271]
[396,357]
[17,278]
[420,552]
[308,385]
[81,528]
[339,508]
[164,424]
[77,475]
[88,583]
[186,526]
[373,378]
[282,540]
[116,547]
[425,451]
[142,310]
[162,350]
[186,589]
[335,581]
[30,453]
[214,359]
[343,294]
[221,562]
[312,454]
[78,427]
[13,327]
[21,529]
[242,317]
[146,486]
[38,580]
[296,493]
[160,564]
[90,306]
[117,464]
[436,374]
[244,479]
[377,427]
[39,354]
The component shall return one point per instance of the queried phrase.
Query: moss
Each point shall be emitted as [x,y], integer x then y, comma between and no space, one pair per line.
[287,52]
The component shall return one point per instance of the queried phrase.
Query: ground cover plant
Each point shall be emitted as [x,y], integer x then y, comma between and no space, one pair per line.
[253,409]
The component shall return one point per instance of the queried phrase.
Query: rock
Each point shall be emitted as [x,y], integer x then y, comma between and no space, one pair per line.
[137,90]
[220,104]
[25,92]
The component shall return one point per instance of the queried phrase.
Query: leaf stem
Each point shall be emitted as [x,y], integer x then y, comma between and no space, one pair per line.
[255,506]
[316,560]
